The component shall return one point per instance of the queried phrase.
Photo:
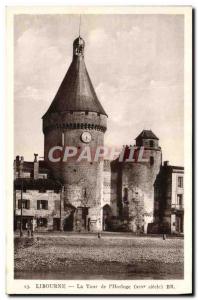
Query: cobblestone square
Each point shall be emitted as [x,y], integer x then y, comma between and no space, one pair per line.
[87,257]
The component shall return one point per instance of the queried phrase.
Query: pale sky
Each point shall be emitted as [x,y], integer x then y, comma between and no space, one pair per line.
[135,63]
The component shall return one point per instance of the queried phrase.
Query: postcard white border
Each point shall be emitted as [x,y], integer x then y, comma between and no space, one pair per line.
[181,286]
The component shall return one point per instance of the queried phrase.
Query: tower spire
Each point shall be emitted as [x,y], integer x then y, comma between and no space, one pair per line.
[79,25]
[76,92]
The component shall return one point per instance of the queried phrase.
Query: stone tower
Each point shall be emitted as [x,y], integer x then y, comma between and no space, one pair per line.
[76,118]
[137,181]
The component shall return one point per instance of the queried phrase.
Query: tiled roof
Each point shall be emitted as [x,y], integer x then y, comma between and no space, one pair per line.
[36,184]
[76,92]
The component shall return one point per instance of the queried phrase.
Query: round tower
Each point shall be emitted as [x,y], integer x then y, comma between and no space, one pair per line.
[138,178]
[76,120]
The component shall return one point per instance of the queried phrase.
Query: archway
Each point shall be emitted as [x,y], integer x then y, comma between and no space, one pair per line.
[68,223]
[107,214]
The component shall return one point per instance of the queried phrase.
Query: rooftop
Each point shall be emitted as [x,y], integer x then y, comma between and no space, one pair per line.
[147,134]
[76,92]
[36,184]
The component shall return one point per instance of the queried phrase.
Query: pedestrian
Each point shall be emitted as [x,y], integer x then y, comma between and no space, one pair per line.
[31,227]
[28,227]
[34,225]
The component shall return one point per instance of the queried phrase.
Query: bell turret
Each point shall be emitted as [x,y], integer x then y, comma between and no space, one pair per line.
[78,47]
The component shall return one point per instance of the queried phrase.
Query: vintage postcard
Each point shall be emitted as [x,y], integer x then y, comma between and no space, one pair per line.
[99,150]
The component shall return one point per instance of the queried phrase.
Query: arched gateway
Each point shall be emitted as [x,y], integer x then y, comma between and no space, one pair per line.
[107,214]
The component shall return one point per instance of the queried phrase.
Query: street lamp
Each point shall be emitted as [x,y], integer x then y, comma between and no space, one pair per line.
[21,221]
[61,196]
[21,177]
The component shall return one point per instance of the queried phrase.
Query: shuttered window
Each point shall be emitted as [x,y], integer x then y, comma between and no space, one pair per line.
[26,204]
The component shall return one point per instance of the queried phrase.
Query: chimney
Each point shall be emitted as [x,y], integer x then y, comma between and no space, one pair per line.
[36,167]
[16,167]
[21,161]
[166,163]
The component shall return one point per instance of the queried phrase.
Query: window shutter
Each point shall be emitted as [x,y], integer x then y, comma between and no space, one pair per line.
[19,204]
[38,204]
[28,204]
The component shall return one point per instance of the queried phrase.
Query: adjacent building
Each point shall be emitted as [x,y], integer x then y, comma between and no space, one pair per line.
[169,200]
[40,194]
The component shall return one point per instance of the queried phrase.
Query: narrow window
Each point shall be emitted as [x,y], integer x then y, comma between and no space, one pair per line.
[151,160]
[180,199]
[125,198]
[180,181]
[25,204]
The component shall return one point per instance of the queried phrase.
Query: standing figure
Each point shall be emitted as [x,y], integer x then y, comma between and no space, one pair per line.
[28,226]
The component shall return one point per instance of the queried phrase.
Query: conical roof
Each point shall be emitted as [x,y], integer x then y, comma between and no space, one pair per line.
[147,134]
[76,92]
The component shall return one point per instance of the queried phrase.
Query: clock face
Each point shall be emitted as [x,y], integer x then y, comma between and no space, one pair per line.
[86,137]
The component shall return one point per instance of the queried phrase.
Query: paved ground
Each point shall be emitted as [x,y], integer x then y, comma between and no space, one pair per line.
[114,256]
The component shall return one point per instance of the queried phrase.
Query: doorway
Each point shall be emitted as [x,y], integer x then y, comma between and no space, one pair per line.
[179,224]
[81,222]
[68,222]
[25,221]
[107,218]
[56,224]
